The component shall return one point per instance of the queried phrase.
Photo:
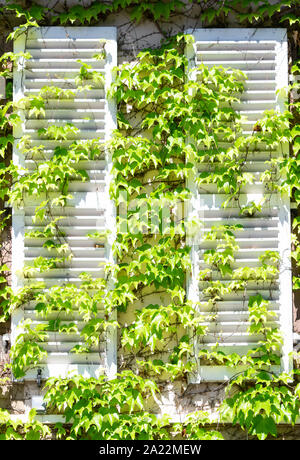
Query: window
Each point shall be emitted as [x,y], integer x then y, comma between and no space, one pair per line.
[83,112]
[262,55]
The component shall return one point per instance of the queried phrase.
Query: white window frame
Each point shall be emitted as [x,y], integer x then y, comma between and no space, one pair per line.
[109,34]
[224,373]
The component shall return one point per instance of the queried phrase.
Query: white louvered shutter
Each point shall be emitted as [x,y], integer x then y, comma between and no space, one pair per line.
[55,52]
[262,55]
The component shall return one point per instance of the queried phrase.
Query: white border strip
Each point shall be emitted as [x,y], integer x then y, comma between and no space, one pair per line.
[284,235]
[17,213]
[110,126]
[52,419]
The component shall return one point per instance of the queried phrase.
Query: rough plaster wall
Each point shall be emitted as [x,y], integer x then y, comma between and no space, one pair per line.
[178,398]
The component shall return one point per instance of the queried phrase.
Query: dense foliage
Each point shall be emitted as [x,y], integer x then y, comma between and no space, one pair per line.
[168,123]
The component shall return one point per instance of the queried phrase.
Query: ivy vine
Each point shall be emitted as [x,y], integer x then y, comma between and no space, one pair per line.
[168,124]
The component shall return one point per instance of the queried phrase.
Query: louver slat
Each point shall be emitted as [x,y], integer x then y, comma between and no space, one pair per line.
[262,56]
[55,55]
